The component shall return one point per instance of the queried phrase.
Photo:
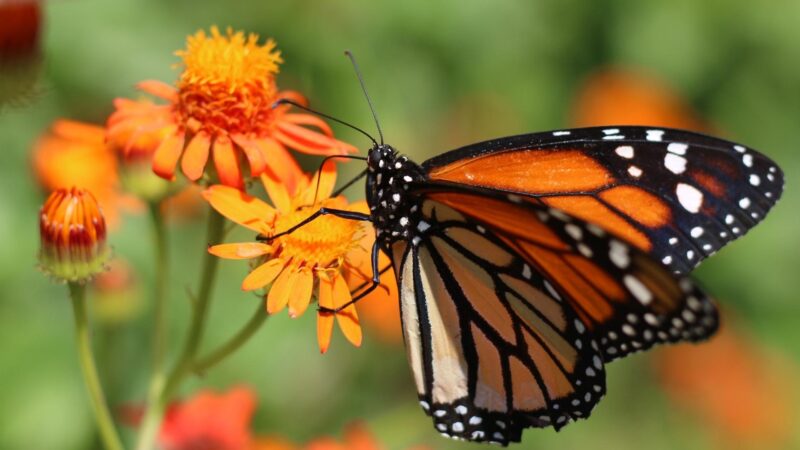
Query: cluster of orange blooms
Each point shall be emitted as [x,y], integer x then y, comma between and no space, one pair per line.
[220,119]
[215,136]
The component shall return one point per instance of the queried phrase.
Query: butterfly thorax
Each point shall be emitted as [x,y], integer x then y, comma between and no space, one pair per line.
[389,177]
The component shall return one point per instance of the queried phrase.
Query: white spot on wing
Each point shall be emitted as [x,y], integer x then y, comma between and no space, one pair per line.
[561,133]
[638,289]
[654,135]
[608,131]
[635,171]
[689,197]
[676,164]
[677,148]
[618,253]
[747,159]
[625,151]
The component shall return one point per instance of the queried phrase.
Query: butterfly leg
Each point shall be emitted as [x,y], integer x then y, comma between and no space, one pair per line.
[374,283]
[342,213]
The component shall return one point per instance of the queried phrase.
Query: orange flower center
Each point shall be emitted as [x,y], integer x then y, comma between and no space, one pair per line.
[228,83]
[322,243]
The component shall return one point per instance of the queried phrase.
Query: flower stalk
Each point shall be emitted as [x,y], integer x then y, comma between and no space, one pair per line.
[108,432]
[163,389]
[235,342]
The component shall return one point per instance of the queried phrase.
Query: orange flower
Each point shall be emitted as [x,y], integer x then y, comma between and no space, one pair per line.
[315,255]
[74,154]
[745,396]
[356,437]
[221,108]
[73,236]
[616,96]
[210,421]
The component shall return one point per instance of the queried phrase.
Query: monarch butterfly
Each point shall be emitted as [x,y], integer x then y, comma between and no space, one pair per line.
[527,263]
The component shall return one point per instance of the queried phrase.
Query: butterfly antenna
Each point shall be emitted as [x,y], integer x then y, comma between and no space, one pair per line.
[285,101]
[366,94]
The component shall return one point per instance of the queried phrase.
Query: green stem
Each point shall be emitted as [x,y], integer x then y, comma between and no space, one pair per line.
[166,387]
[108,433]
[160,297]
[239,339]
[158,376]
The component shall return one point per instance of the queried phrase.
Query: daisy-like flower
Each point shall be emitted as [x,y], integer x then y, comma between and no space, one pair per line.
[222,108]
[315,256]
[73,236]
[74,154]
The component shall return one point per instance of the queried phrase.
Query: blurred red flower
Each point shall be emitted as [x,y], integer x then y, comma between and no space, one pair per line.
[210,421]
[356,437]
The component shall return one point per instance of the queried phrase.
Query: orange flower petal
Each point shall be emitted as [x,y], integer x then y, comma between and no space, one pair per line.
[324,319]
[263,274]
[303,284]
[280,291]
[167,154]
[195,156]
[309,141]
[309,120]
[280,163]
[159,89]
[226,162]
[244,250]
[241,208]
[255,157]
[327,181]
[347,318]
[277,193]
[293,96]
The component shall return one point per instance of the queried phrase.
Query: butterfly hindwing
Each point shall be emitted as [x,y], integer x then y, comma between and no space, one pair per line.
[679,196]
[492,351]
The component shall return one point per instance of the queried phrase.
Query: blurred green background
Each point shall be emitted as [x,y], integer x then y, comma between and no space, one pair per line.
[442,74]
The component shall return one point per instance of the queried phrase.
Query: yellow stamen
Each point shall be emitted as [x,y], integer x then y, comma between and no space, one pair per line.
[322,243]
[228,82]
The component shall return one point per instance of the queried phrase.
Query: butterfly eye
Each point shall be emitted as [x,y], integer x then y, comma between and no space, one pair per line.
[374,158]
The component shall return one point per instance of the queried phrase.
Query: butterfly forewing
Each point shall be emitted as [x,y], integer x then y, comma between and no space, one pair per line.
[677,195]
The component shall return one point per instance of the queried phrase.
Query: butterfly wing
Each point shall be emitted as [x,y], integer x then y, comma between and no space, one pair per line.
[679,196]
[507,321]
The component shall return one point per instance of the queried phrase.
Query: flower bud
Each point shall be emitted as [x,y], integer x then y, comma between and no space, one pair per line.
[73,236]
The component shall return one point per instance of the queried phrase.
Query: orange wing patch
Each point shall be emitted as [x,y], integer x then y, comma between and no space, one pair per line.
[501,215]
[648,209]
[533,170]
[591,210]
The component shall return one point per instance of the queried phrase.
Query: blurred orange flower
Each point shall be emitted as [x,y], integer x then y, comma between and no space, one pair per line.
[221,108]
[621,96]
[210,421]
[380,310]
[317,254]
[745,396]
[74,154]
[356,437]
